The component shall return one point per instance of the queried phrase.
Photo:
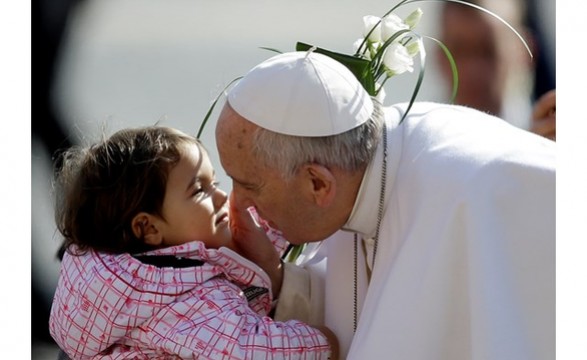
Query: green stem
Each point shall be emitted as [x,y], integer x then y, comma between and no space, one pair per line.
[203,125]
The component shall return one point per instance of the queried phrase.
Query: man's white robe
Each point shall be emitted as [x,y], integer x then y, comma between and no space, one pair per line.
[465,263]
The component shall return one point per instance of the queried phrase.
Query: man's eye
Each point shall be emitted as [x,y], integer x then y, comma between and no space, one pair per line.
[247,187]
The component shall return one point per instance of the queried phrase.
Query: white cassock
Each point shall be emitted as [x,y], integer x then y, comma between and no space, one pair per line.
[465,264]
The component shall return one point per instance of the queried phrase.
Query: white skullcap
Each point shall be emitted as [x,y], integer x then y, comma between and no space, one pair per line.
[302,94]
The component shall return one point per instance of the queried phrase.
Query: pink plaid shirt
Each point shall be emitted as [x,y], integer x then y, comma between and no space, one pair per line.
[116,307]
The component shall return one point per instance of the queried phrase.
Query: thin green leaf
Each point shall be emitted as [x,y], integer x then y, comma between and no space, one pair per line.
[453,67]
[271,49]
[212,107]
[294,252]
[420,77]
[395,7]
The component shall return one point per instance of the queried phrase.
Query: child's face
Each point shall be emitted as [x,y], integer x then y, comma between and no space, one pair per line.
[193,207]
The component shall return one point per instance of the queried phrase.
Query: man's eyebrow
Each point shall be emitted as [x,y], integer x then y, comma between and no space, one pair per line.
[240,182]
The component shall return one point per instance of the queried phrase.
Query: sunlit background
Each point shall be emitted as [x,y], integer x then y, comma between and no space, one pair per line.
[124,63]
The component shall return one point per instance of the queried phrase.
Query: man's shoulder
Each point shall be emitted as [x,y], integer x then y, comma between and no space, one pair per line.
[428,109]
[465,138]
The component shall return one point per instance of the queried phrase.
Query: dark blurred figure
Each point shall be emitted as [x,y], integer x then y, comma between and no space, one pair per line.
[544,93]
[49,24]
[496,74]
[544,68]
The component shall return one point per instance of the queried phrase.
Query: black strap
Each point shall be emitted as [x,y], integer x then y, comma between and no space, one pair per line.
[161,261]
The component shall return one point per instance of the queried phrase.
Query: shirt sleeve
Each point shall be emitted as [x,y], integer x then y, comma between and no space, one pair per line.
[275,236]
[302,294]
[294,298]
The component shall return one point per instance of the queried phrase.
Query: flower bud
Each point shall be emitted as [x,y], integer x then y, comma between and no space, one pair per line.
[414,18]
[413,48]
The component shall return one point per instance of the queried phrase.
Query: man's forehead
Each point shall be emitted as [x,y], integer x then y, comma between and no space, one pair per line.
[229,119]
[235,151]
[235,142]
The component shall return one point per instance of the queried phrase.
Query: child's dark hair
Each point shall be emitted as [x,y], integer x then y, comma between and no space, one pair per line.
[102,187]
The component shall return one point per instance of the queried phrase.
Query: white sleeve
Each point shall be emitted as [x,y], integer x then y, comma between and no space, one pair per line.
[302,292]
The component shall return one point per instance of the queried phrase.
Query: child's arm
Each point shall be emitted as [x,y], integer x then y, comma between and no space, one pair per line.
[218,323]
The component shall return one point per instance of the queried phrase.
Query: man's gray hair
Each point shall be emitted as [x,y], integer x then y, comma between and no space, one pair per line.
[348,151]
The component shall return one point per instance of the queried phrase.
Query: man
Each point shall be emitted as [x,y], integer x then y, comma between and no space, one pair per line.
[496,75]
[440,227]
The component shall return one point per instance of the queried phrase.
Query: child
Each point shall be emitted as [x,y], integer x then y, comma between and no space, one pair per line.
[148,272]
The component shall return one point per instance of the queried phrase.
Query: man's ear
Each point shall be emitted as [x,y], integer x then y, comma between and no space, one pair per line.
[144,226]
[323,184]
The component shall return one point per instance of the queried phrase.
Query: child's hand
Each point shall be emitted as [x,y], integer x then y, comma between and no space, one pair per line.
[251,241]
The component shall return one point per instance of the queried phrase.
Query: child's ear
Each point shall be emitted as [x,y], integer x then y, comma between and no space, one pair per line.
[144,225]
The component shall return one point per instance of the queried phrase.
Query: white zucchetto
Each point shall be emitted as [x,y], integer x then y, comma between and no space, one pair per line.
[302,94]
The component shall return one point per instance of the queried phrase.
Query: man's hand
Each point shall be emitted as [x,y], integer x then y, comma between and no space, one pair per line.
[544,116]
[251,241]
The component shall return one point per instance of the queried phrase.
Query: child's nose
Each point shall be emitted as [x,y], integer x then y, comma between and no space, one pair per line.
[219,198]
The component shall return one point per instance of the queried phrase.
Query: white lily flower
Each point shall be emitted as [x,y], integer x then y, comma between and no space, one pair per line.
[370,22]
[414,18]
[397,59]
[390,25]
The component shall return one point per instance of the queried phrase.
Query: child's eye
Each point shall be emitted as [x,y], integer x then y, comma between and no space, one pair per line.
[197,191]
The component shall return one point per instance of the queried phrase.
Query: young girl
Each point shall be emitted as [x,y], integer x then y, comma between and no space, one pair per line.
[148,271]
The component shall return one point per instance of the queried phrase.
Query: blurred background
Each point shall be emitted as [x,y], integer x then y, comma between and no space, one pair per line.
[102,65]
